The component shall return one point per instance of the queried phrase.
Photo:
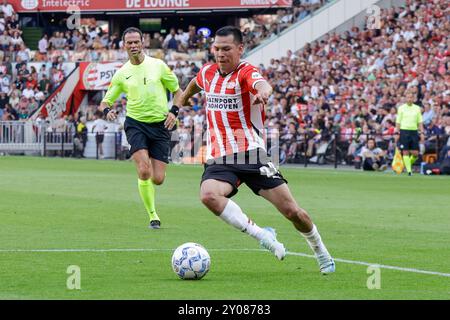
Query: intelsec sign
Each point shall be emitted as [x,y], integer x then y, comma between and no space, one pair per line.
[142,5]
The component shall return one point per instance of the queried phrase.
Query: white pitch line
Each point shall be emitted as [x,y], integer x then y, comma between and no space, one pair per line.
[230,250]
[376,265]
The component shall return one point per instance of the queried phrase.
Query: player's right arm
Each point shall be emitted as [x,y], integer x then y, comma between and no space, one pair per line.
[191,89]
[114,91]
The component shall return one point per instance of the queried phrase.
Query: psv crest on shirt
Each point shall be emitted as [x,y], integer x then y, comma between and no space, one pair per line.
[231,85]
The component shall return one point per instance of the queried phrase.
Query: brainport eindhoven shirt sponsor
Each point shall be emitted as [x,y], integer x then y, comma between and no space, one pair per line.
[234,123]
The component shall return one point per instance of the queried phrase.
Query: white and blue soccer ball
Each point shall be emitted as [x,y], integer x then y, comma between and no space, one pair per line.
[191,261]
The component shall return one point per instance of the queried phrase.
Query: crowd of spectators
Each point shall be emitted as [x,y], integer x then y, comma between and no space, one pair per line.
[94,44]
[23,87]
[351,84]
[261,27]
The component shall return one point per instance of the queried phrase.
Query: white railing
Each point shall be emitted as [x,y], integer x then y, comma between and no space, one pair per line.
[26,137]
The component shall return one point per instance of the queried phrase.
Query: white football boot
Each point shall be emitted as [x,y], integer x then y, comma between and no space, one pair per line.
[270,242]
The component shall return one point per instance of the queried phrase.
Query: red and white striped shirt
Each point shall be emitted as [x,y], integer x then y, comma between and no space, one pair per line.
[234,122]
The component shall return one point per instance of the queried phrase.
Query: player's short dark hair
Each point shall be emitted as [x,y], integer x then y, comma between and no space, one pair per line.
[231,30]
[132,30]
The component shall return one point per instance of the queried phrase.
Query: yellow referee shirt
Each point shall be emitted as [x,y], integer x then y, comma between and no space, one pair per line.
[145,86]
[409,117]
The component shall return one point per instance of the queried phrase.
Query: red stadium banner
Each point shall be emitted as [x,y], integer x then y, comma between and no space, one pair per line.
[65,100]
[143,5]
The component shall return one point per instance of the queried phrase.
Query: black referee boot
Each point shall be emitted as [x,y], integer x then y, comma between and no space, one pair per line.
[155,224]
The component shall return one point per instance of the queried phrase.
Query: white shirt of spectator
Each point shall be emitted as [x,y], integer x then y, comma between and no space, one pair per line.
[100,126]
[409,35]
[39,96]
[5,84]
[294,110]
[187,120]
[199,119]
[43,45]
[375,151]
[92,34]
[314,91]
[41,73]
[28,93]
[57,77]
[24,54]
[5,40]
[16,41]
[277,108]
[124,142]
[183,38]
[186,71]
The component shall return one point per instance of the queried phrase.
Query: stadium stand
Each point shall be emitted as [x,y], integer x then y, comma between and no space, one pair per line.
[329,96]
[261,27]
[353,82]
[25,86]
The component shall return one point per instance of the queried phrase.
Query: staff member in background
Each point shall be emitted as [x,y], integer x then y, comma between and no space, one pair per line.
[409,121]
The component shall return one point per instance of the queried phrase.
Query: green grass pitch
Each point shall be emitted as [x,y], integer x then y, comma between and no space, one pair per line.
[376,218]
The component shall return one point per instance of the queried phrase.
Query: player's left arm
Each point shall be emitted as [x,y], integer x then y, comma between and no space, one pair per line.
[257,85]
[264,91]
[191,90]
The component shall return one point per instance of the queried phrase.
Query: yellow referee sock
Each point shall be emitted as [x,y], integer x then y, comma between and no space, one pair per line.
[147,192]
[407,162]
[413,159]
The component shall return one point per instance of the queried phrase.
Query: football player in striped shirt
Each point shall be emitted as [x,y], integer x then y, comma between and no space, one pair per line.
[235,97]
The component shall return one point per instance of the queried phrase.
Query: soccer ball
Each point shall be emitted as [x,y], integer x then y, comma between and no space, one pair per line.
[191,261]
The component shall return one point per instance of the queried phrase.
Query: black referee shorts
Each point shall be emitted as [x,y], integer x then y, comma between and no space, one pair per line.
[262,175]
[154,137]
[409,140]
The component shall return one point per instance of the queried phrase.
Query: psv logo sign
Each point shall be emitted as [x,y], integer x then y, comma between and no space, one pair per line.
[29,4]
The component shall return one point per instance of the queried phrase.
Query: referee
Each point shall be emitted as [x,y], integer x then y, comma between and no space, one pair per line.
[409,121]
[145,80]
